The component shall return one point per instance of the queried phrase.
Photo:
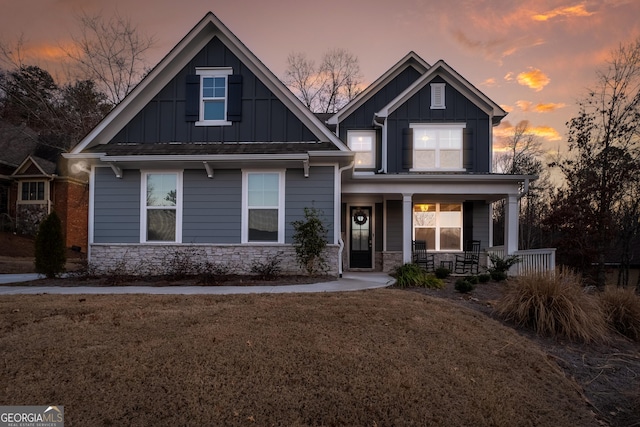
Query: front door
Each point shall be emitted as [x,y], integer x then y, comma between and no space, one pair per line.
[360,253]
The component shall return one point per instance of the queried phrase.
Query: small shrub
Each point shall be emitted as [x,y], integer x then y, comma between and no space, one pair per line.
[621,308]
[500,266]
[411,275]
[484,278]
[50,251]
[269,269]
[463,286]
[309,241]
[472,279]
[553,305]
[210,273]
[442,272]
[498,276]
[180,263]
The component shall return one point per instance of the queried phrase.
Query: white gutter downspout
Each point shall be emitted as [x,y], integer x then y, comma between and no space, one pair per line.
[336,216]
[383,148]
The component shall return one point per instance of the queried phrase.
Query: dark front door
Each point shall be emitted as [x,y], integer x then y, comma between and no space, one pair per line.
[360,255]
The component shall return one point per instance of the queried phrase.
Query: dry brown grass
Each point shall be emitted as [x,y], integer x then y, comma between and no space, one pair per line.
[554,305]
[622,310]
[384,357]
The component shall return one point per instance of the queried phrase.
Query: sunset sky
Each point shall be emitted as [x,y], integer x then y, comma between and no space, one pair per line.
[535,58]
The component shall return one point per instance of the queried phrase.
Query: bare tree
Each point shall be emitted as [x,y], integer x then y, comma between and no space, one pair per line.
[523,157]
[602,170]
[327,87]
[111,53]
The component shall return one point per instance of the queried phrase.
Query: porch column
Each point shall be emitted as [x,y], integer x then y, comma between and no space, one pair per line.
[511,225]
[407,209]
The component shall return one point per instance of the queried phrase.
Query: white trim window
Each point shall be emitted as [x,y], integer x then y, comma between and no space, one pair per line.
[33,191]
[437,96]
[161,216]
[363,143]
[439,224]
[438,146]
[263,206]
[213,96]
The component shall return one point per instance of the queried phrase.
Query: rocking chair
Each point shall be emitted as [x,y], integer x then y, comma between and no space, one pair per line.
[470,260]
[421,257]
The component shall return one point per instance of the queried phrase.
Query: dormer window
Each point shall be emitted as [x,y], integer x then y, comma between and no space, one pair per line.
[437,96]
[363,143]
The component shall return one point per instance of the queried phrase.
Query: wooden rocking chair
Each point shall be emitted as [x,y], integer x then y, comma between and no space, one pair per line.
[421,257]
[469,262]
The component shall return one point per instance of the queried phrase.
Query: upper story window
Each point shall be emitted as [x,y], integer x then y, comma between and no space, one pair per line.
[437,96]
[263,206]
[213,96]
[32,191]
[363,143]
[161,217]
[437,146]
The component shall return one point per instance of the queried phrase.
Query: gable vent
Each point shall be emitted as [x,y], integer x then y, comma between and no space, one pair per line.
[437,95]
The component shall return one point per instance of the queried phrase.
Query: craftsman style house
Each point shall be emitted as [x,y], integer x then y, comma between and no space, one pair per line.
[211,153]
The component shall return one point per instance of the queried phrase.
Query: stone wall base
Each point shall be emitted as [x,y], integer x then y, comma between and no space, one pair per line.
[145,259]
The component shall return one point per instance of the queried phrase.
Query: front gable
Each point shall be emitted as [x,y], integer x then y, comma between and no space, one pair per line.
[158,110]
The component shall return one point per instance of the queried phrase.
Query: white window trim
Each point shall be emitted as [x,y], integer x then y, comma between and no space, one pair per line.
[143,205]
[22,201]
[363,132]
[244,234]
[460,126]
[213,72]
[438,91]
[437,227]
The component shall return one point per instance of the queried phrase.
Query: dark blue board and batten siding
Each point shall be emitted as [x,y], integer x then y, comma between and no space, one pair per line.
[264,118]
[458,109]
[212,208]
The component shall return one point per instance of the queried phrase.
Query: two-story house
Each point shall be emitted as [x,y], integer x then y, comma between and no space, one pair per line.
[212,153]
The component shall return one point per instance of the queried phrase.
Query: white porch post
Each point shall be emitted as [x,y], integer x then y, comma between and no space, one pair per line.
[407,209]
[511,225]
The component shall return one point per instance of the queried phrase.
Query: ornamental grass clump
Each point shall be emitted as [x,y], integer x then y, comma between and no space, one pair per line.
[622,310]
[555,305]
[411,275]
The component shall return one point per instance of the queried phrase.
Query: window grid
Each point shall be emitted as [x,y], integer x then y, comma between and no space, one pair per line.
[439,224]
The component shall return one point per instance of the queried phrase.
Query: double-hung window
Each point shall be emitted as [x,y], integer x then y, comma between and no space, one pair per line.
[263,207]
[32,191]
[439,224]
[437,146]
[161,216]
[363,143]
[213,95]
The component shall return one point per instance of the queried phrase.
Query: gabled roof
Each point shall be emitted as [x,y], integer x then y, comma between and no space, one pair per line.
[452,78]
[208,28]
[34,166]
[411,59]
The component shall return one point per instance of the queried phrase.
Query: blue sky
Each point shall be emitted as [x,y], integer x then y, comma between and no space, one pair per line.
[536,58]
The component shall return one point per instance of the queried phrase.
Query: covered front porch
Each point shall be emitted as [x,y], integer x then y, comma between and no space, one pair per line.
[382,215]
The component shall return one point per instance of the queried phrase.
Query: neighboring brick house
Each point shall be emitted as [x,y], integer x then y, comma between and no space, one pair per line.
[33,183]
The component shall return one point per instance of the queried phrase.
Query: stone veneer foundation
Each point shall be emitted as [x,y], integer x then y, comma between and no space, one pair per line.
[146,259]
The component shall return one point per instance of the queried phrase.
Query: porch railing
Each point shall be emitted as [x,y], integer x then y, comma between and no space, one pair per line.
[531,260]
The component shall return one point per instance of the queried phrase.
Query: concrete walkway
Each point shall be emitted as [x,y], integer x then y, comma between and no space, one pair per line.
[348,282]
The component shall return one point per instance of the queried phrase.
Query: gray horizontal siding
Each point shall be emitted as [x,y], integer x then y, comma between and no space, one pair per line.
[116,211]
[316,191]
[212,208]
[394,225]
[480,223]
